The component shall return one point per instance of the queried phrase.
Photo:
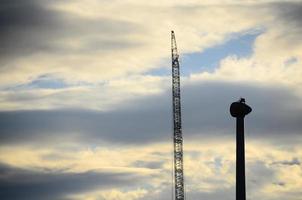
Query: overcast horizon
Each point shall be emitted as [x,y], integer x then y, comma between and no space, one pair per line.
[85,98]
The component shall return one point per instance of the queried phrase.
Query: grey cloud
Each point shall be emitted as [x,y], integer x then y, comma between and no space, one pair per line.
[258,175]
[294,161]
[274,109]
[275,116]
[28,27]
[24,184]
[282,184]
[261,174]
[291,12]
[288,20]
[23,26]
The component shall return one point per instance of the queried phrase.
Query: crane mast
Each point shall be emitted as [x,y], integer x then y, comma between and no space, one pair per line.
[177,136]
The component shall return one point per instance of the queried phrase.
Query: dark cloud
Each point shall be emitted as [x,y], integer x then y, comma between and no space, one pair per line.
[288,20]
[282,184]
[24,26]
[32,26]
[24,184]
[291,12]
[294,161]
[275,111]
[205,106]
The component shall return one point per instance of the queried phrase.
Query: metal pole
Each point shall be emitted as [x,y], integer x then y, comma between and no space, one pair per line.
[240,160]
[239,110]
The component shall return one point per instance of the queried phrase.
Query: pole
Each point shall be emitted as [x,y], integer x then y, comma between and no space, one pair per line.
[240,160]
[239,109]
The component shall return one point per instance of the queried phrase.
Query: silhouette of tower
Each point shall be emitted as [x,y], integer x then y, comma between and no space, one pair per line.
[239,109]
[177,136]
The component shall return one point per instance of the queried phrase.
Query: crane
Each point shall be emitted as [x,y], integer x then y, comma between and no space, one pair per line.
[177,134]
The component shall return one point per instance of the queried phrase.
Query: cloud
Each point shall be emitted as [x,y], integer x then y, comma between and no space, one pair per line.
[65,38]
[294,161]
[47,92]
[290,13]
[34,26]
[209,169]
[146,120]
[88,48]
[112,194]
[37,39]
[19,21]
[77,70]
[19,183]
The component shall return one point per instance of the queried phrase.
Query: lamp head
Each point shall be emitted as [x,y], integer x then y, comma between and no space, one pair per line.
[239,108]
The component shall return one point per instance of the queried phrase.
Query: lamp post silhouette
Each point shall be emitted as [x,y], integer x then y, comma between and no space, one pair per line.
[239,109]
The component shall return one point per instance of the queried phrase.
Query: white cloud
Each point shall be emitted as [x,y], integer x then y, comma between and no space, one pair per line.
[103,50]
[113,194]
[209,167]
[94,45]
[106,45]
[100,96]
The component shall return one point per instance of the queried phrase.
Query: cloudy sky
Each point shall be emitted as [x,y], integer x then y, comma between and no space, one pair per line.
[85,98]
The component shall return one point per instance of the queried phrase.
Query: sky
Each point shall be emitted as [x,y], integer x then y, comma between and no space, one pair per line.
[85,98]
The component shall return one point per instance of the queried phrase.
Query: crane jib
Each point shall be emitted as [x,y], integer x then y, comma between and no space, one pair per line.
[177,134]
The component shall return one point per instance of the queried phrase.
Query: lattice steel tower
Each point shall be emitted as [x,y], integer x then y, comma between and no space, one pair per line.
[177,137]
